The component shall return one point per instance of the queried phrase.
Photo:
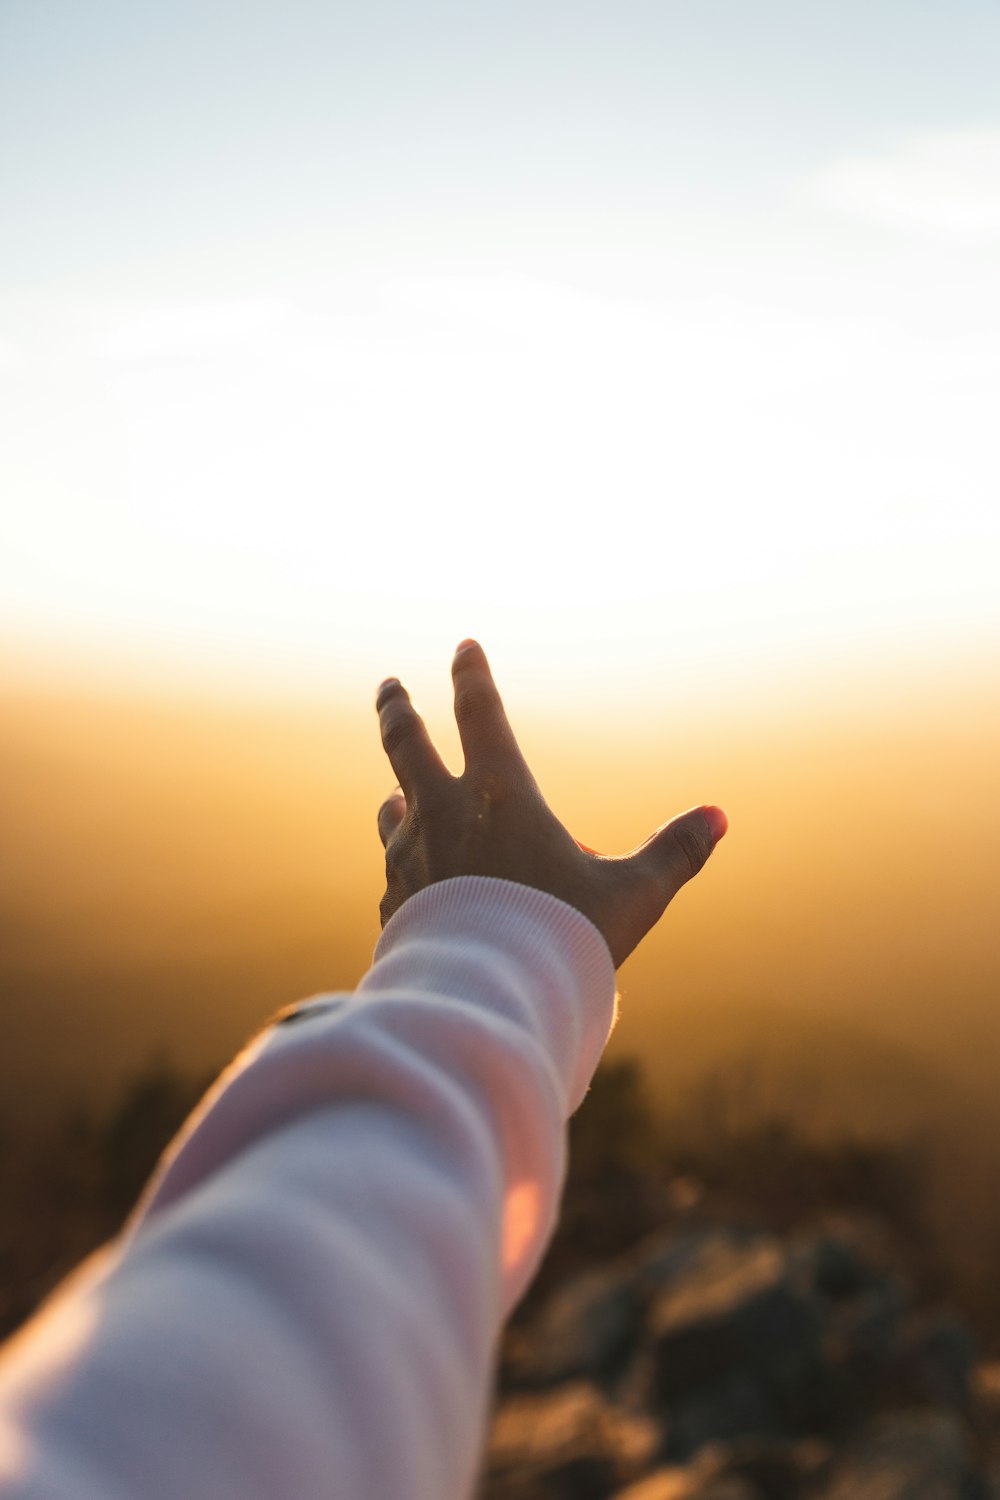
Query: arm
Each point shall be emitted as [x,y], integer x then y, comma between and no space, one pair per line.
[306,1304]
[308,1299]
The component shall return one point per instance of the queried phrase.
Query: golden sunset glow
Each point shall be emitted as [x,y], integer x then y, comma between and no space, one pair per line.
[280,491]
[656,347]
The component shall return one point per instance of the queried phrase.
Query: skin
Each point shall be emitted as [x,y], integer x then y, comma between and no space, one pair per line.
[493,819]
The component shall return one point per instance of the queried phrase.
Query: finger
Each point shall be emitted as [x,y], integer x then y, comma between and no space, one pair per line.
[390,815]
[405,739]
[482,721]
[675,853]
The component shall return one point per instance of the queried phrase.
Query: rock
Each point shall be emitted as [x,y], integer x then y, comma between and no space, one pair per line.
[844,1258]
[914,1455]
[567,1444]
[710,1364]
[836,1265]
[662,1258]
[861,1331]
[984,1384]
[735,1330]
[736,1405]
[589,1328]
[736,1471]
[860,1340]
[933,1361]
[777,1470]
[585,1331]
[686,1484]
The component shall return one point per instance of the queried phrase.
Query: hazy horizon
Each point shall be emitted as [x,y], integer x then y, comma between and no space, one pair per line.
[662,338]
[656,346]
[178,868]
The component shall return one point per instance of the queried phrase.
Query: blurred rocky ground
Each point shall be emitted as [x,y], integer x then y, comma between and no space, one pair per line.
[732,1308]
[725,1362]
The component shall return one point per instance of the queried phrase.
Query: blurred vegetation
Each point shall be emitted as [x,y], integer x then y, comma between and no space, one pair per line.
[719,1156]
[722,1155]
[67,1189]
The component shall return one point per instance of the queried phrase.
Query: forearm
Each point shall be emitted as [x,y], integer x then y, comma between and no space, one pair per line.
[308,1300]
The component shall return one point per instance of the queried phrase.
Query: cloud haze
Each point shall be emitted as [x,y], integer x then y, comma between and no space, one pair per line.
[943,184]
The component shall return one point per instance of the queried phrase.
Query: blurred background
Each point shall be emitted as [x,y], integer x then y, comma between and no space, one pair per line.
[655,344]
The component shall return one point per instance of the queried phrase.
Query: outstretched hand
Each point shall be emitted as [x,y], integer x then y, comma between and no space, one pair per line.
[493,820]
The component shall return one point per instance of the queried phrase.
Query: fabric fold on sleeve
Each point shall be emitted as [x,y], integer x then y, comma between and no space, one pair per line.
[307,1299]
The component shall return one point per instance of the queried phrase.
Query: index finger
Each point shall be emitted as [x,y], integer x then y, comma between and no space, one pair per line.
[405,739]
[482,721]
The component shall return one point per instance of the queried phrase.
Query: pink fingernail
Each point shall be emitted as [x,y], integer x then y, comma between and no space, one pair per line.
[717,822]
[464,645]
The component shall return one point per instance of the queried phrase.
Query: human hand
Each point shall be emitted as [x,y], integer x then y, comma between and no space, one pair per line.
[493,820]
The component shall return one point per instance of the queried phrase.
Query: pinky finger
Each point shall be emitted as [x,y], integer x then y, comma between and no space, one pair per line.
[390,815]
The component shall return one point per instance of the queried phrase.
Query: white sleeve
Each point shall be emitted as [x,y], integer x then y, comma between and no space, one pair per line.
[307,1300]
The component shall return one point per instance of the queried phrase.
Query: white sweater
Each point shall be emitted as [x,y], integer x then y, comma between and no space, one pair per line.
[306,1302]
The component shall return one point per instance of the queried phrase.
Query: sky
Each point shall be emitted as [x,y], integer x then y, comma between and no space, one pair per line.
[647,341]
[656,344]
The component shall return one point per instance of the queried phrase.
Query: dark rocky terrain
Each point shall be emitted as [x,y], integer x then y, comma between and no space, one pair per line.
[732,1308]
[716,1362]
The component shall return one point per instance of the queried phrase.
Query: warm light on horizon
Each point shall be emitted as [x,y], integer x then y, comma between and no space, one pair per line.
[562,473]
[657,345]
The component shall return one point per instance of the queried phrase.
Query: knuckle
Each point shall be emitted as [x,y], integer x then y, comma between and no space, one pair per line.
[397,732]
[693,845]
[473,703]
[404,838]
[488,789]
[414,823]
[428,806]
[395,888]
[495,787]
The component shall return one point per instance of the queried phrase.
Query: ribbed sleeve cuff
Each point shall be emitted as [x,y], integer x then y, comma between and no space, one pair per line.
[517,951]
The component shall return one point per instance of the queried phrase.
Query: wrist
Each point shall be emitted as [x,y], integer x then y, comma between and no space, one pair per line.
[545,965]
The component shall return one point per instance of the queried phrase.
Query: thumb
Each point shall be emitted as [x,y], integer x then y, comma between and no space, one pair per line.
[677,851]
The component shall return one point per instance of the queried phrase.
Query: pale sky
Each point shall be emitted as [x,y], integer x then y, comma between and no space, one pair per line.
[664,335]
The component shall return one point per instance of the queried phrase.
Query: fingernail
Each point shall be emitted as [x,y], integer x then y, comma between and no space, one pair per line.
[717,821]
[383,688]
[465,645]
